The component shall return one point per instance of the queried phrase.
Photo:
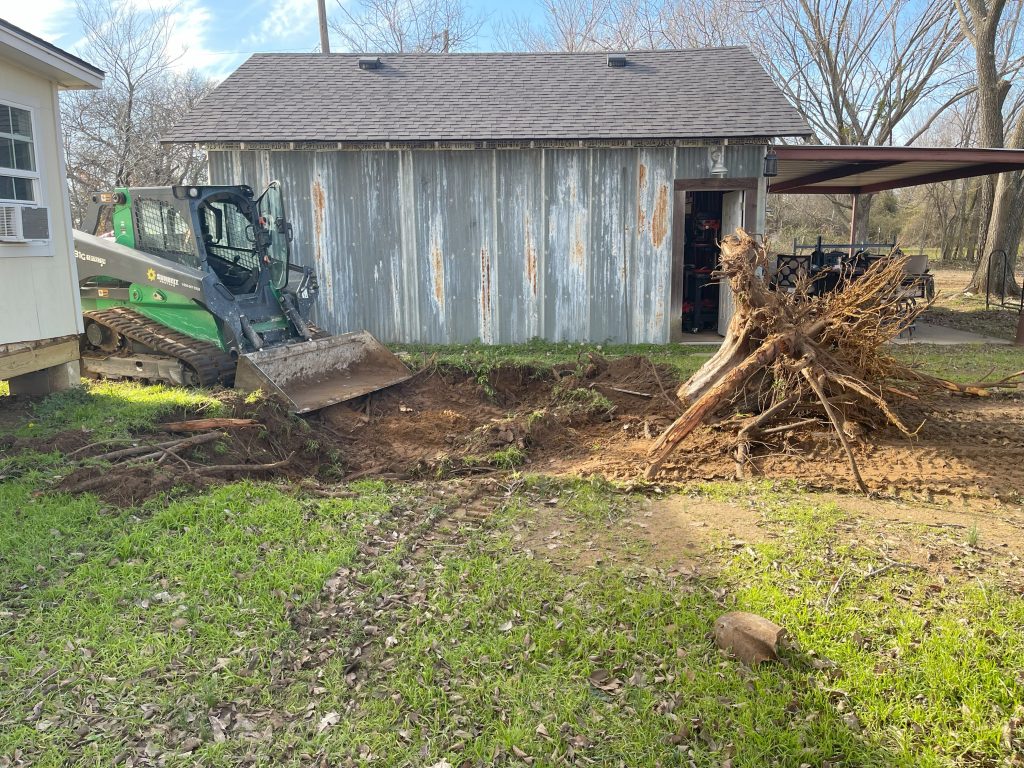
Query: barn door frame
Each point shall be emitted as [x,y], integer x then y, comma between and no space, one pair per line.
[749,185]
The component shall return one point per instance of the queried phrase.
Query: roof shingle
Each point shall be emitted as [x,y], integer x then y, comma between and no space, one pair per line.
[676,94]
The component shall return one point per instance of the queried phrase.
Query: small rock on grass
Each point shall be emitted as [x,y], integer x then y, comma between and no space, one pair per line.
[750,638]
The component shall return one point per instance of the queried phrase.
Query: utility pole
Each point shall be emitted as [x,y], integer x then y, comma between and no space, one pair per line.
[325,40]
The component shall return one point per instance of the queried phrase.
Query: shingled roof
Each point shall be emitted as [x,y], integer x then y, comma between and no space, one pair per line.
[677,94]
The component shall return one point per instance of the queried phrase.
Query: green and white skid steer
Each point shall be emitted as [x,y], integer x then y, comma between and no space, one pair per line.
[194,287]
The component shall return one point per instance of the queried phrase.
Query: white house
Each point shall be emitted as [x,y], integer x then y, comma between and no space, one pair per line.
[40,314]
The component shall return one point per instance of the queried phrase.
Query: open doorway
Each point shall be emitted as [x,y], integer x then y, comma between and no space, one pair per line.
[704,211]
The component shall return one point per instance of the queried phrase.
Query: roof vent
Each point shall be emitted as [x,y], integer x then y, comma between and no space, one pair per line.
[369,62]
[616,59]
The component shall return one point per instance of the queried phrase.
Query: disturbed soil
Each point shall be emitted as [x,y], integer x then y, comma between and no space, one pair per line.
[598,417]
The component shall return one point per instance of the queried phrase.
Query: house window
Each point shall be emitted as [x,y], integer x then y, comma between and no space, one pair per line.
[19,172]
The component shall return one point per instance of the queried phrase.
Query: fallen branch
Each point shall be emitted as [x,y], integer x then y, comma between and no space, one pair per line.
[175,446]
[661,386]
[790,426]
[218,468]
[202,425]
[626,391]
[837,422]
[135,450]
[90,446]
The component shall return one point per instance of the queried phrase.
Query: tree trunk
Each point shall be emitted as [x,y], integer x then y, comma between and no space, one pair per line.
[980,23]
[860,218]
[1002,240]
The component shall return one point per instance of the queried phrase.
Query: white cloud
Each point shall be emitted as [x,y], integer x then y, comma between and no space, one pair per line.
[47,19]
[191,22]
[284,20]
[212,36]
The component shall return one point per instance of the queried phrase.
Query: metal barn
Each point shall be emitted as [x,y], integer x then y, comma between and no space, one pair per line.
[502,197]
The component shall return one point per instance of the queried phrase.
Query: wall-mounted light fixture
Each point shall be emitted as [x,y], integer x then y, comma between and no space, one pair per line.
[771,163]
[716,159]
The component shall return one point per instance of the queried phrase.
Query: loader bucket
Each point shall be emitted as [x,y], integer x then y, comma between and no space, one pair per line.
[309,375]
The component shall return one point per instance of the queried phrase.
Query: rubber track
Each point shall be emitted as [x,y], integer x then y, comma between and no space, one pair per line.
[212,365]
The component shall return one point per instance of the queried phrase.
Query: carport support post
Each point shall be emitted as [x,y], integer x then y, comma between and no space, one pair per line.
[853,222]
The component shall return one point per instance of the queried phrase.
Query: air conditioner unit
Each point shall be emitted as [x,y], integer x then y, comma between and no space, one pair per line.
[24,223]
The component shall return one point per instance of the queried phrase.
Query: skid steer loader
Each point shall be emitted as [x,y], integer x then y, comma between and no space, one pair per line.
[194,286]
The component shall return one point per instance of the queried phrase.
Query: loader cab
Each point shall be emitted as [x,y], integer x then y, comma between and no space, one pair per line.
[243,240]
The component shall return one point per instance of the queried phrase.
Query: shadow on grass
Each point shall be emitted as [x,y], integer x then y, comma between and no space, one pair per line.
[107,408]
[997,322]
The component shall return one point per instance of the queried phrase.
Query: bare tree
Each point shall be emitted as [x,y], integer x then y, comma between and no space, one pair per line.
[588,25]
[565,25]
[112,135]
[702,23]
[859,71]
[407,26]
[982,22]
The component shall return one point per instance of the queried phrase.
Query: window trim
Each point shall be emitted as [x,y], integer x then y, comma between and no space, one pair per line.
[36,176]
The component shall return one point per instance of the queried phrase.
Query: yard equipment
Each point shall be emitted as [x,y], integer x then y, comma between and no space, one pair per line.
[194,286]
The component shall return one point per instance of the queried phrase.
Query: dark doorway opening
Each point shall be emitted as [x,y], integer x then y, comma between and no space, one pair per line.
[705,210]
[701,234]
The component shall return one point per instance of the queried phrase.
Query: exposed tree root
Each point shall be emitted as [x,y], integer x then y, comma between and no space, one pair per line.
[787,353]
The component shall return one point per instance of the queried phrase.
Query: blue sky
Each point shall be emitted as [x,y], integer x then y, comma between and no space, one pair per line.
[218,35]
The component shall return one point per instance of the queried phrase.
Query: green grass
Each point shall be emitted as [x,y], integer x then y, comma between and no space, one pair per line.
[927,664]
[146,621]
[122,629]
[507,458]
[965,363]
[110,409]
[171,609]
[481,358]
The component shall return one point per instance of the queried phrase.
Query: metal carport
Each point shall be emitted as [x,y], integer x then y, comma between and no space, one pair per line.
[822,170]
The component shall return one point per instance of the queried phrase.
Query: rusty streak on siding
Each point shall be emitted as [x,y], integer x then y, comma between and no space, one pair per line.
[317,194]
[485,293]
[641,184]
[531,254]
[660,218]
[437,265]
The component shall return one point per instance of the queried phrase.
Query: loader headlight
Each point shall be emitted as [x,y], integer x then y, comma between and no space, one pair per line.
[193,192]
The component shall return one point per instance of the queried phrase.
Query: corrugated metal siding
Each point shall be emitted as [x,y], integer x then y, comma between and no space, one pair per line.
[497,245]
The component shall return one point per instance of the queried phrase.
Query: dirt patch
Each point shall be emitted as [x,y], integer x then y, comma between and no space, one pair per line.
[969,447]
[15,410]
[688,527]
[62,442]
[599,417]
[691,534]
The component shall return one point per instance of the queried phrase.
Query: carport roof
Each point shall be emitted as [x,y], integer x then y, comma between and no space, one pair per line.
[822,170]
